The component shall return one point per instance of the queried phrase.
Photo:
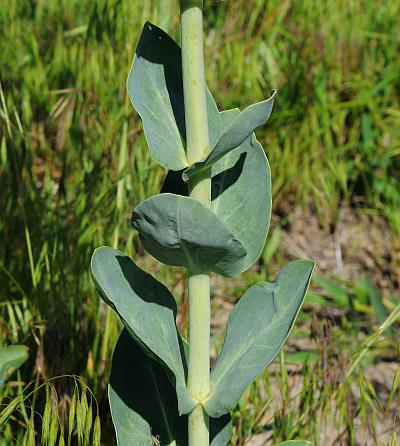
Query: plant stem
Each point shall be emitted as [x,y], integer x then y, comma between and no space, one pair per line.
[194,88]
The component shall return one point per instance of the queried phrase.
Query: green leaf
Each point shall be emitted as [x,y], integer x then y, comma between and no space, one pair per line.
[143,402]
[220,430]
[272,245]
[242,126]
[375,298]
[295,443]
[241,194]
[156,91]
[146,308]
[338,293]
[256,331]
[11,358]
[181,231]
[302,357]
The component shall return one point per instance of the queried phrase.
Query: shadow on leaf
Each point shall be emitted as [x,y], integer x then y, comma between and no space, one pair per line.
[144,404]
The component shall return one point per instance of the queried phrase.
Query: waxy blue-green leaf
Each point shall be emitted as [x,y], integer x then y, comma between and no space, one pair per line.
[156,91]
[144,404]
[241,194]
[11,358]
[146,308]
[256,330]
[181,231]
[240,128]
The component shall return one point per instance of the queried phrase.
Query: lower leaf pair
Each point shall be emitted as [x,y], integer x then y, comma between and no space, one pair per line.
[148,393]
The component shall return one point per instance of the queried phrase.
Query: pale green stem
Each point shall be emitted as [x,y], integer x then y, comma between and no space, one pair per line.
[197,147]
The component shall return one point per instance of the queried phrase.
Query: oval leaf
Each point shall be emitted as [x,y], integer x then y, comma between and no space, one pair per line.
[146,308]
[11,358]
[156,91]
[181,231]
[256,331]
[143,402]
[242,126]
[241,194]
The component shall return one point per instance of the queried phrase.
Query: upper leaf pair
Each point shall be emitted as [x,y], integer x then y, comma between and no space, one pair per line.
[156,89]
[226,238]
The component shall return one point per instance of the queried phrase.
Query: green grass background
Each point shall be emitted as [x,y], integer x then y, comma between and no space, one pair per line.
[74,163]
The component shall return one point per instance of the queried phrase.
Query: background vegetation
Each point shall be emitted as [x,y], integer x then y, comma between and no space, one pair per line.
[74,163]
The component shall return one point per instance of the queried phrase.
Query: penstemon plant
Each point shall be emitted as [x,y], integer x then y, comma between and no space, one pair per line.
[212,215]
